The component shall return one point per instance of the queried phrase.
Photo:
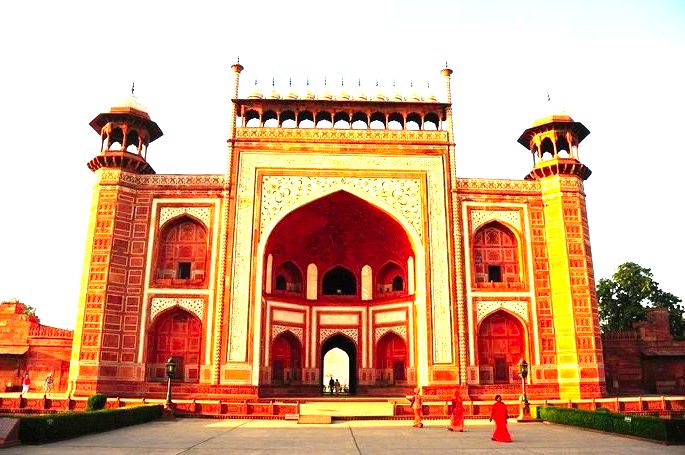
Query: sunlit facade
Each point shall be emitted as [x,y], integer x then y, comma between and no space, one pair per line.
[338,242]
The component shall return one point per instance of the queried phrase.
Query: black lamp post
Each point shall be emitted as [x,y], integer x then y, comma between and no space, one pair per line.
[170,373]
[524,405]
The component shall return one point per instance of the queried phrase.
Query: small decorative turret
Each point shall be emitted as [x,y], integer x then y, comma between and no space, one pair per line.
[125,133]
[553,141]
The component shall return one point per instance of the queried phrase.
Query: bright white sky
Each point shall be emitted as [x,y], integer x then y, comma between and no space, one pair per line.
[616,66]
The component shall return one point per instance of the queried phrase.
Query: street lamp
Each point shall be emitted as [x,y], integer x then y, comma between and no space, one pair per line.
[170,373]
[523,403]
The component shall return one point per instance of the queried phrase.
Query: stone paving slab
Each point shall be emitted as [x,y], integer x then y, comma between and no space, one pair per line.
[206,436]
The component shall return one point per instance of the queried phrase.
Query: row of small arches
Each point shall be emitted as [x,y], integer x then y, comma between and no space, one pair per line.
[412,121]
[390,280]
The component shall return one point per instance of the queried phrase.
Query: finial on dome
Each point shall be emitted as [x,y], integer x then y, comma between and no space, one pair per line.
[359,82]
[273,82]
[133,87]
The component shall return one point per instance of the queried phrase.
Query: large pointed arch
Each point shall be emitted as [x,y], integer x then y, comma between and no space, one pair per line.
[414,237]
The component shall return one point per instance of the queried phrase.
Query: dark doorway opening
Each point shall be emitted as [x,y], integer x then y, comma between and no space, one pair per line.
[347,345]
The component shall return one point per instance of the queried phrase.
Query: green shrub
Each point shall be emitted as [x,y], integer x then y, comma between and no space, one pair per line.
[96,401]
[52,427]
[667,430]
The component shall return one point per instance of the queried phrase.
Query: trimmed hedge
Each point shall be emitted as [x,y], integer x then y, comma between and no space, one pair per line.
[96,402]
[52,427]
[666,430]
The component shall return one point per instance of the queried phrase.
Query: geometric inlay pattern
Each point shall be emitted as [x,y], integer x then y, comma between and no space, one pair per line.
[351,333]
[278,329]
[400,330]
[281,193]
[195,306]
[167,213]
[518,307]
[480,217]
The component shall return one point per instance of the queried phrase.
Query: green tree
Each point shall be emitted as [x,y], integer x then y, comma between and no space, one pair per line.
[625,298]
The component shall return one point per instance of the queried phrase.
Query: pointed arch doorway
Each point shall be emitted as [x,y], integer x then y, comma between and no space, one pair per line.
[339,357]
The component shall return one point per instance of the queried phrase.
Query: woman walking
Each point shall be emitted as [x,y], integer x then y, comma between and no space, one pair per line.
[457,415]
[499,415]
[417,407]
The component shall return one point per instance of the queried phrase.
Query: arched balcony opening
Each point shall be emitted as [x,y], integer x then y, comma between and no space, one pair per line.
[563,149]
[288,119]
[324,120]
[395,121]
[178,334]
[496,257]
[413,122]
[182,254]
[360,121]
[391,358]
[431,122]
[377,121]
[501,345]
[339,281]
[286,359]
[546,149]
[252,119]
[341,120]
[305,119]
[391,281]
[132,142]
[116,139]
[270,119]
[288,279]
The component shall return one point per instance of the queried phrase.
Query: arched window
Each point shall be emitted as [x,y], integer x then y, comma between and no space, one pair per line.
[495,255]
[182,254]
[500,347]
[288,278]
[339,281]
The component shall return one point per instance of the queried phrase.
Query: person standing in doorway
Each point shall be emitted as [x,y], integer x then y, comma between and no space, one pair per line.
[337,387]
[499,415]
[417,407]
[25,383]
[457,415]
[331,385]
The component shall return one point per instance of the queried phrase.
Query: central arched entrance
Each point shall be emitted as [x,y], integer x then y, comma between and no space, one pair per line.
[347,346]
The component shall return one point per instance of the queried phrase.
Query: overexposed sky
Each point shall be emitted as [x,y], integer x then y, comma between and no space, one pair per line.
[616,66]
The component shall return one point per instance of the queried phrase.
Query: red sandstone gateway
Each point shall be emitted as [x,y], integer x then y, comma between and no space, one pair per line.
[337,241]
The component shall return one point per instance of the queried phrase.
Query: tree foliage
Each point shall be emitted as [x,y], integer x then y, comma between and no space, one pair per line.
[625,298]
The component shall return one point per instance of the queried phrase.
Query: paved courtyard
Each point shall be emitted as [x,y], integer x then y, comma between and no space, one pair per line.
[205,436]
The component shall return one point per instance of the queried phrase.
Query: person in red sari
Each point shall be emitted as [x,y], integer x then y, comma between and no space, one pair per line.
[457,416]
[500,416]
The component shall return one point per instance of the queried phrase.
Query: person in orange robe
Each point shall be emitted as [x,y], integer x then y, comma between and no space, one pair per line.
[500,416]
[417,407]
[457,416]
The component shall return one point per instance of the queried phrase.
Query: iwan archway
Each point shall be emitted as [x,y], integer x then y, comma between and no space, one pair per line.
[340,367]
[337,271]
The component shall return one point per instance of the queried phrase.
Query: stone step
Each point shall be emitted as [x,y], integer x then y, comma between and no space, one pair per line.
[347,408]
[315,419]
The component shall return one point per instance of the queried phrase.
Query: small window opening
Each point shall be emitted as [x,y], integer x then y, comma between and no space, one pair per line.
[397,283]
[183,271]
[280,283]
[495,273]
